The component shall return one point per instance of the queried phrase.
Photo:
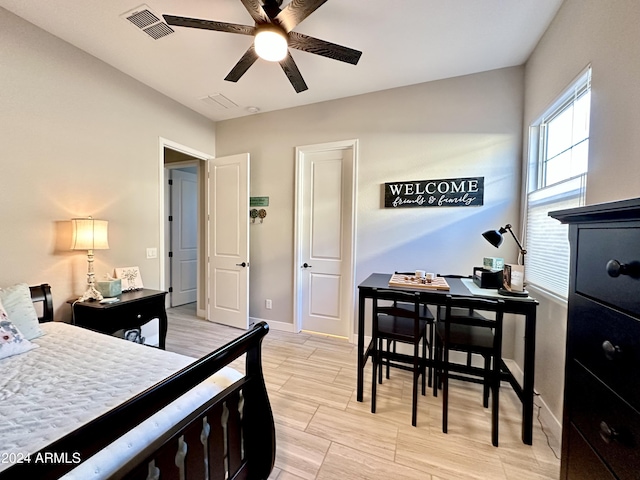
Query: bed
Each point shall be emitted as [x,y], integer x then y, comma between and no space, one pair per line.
[84,405]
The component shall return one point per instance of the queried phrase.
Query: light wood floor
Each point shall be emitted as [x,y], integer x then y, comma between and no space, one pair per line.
[322,432]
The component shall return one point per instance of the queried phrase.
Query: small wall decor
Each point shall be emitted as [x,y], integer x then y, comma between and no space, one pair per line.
[258,201]
[253,213]
[131,278]
[449,192]
[262,213]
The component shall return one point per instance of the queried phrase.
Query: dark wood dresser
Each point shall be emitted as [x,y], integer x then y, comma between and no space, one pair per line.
[601,420]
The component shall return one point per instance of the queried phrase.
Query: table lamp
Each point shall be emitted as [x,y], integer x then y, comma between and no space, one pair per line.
[89,234]
[495,238]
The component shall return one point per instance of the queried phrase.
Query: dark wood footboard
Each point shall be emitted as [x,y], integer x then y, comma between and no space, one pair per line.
[231,436]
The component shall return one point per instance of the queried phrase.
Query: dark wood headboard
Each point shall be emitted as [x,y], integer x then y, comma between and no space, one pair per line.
[42,294]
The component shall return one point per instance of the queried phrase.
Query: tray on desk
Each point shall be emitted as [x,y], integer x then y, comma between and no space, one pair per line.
[409,281]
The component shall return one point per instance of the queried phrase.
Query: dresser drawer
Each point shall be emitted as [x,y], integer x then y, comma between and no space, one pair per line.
[607,343]
[610,425]
[582,463]
[598,250]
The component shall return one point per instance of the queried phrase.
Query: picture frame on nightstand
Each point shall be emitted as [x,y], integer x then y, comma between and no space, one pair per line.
[130,277]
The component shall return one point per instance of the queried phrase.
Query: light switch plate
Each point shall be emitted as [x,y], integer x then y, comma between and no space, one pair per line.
[152,253]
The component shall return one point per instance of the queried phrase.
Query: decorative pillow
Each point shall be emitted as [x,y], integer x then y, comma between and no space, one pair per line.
[12,342]
[19,308]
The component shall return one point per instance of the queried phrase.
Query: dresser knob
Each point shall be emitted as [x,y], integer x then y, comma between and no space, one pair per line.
[615,269]
[611,351]
[607,433]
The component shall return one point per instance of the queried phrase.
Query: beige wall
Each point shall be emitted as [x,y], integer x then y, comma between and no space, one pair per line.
[605,35]
[461,127]
[79,138]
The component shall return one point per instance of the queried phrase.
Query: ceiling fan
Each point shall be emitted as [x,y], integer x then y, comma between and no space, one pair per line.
[275,24]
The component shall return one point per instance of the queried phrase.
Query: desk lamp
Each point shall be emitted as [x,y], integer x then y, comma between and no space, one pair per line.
[495,238]
[89,234]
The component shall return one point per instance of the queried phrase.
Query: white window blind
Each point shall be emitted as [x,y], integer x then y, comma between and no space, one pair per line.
[547,259]
[558,170]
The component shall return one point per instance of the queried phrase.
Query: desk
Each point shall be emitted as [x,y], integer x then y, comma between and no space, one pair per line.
[516,305]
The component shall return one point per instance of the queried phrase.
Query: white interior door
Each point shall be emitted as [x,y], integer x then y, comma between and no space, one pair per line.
[325,238]
[184,237]
[228,240]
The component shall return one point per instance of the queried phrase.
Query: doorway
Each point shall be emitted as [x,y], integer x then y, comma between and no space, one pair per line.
[183,204]
[182,218]
[325,238]
[222,231]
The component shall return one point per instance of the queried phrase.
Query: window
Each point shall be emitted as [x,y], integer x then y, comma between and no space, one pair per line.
[556,180]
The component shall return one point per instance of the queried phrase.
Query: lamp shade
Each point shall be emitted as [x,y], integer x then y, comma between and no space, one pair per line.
[494,237]
[89,234]
[271,44]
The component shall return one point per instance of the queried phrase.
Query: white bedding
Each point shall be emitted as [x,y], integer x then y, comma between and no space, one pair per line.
[77,375]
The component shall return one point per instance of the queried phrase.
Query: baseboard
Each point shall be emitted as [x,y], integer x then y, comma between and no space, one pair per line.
[274,324]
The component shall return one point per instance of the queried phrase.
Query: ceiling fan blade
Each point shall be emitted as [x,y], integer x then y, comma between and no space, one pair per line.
[254,7]
[293,74]
[209,25]
[296,11]
[248,59]
[324,48]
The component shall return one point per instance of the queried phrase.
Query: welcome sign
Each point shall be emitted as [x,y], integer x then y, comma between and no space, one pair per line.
[449,192]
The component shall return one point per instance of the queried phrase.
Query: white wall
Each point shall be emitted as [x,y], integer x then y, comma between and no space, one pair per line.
[79,138]
[605,35]
[461,127]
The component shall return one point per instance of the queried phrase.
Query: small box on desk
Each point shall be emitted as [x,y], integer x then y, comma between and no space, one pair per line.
[485,278]
[109,288]
[493,263]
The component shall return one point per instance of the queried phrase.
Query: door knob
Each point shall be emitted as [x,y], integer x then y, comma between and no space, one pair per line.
[306,265]
[243,264]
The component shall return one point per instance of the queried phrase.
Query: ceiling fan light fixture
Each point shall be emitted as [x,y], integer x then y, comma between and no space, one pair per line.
[271,44]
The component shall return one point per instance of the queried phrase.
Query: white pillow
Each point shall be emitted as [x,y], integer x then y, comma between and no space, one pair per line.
[20,310]
[12,342]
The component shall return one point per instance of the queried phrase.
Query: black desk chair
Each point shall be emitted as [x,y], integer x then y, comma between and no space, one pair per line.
[398,324]
[460,312]
[427,316]
[471,334]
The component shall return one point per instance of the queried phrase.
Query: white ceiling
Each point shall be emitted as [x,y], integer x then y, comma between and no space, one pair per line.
[404,42]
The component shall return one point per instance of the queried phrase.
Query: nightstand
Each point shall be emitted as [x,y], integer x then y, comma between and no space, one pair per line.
[134,309]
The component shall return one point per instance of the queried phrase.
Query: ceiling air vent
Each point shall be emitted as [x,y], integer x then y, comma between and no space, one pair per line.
[147,21]
[219,101]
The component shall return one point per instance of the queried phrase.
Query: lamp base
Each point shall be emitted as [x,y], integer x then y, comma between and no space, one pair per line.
[91,294]
[512,293]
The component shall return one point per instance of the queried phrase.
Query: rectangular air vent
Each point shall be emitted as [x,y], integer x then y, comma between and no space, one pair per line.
[218,101]
[147,21]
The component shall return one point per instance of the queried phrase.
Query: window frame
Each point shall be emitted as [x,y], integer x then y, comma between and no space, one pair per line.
[538,192]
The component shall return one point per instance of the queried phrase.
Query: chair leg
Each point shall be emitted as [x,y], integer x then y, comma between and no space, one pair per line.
[374,379]
[423,365]
[495,406]
[437,354]
[392,342]
[380,350]
[431,340]
[416,372]
[488,381]
[444,373]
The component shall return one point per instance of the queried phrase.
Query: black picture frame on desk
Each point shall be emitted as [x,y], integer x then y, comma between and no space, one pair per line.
[134,309]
